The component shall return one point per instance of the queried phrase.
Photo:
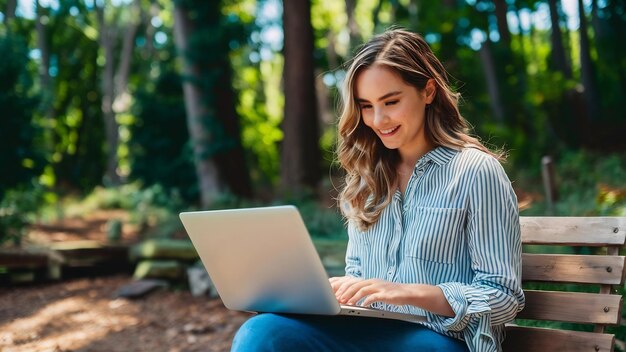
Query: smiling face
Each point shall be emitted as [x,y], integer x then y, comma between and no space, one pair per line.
[394,110]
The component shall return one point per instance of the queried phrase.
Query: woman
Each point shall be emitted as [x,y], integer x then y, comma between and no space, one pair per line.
[432,218]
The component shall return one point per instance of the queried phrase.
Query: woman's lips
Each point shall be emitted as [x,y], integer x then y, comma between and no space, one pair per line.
[389,132]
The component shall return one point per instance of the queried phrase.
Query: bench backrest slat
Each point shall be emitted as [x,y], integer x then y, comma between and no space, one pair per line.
[603,270]
[574,231]
[529,339]
[586,269]
[584,308]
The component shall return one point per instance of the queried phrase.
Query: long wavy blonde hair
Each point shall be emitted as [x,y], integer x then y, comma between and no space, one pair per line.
[371,176]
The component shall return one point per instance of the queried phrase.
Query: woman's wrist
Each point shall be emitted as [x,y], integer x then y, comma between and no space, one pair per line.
[430,298]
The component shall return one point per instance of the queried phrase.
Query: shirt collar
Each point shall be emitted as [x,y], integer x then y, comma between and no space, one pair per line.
[440,155]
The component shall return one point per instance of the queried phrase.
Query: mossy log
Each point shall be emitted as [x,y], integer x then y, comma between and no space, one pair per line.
[164,249]
[163,269]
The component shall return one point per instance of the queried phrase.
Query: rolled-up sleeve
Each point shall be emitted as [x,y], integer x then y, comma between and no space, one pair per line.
[495,295]
[353,258]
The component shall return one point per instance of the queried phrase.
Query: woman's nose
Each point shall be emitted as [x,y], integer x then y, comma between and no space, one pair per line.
[379,117]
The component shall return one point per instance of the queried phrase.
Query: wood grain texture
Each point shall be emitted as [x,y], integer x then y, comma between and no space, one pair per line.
[527,339]
[574,307]
[599,269]
[574,231]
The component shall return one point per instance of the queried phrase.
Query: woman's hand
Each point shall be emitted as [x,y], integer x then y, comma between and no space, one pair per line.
[341,284]
[350,290]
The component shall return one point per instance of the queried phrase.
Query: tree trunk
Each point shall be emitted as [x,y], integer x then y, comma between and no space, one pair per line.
[586,67]
[495,101]
[521,37]
[10,10]
[122,98]
[353,28]
[413,14]
[115,98]
[42,44]
[206,170]
[503,27]
[300,155]
[376,12]
[46,106]
[559,60]
[111,127]
[617,22]
[232,164]
[596,22]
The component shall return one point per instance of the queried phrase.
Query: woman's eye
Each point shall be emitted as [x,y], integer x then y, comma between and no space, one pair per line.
[364,107]
[393,102]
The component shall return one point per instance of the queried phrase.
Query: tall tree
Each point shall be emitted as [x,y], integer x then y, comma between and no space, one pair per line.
[206,170]
[115,96]
[503,26]
[616,10]
[300,155]
[586,67]
[557,55]
[353,27]
[47,94]
[495,101]
[203,39]
[10,10]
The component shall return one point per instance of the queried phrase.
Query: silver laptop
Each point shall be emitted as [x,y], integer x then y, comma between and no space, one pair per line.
[263,260]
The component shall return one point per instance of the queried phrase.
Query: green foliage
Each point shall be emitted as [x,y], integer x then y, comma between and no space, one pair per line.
[70,113]
[588,184]
[148,206]
[208,46]
[17,212]
[161,152]
[19,159]
[582,176]
[56,132]
[321,221]
[260,108]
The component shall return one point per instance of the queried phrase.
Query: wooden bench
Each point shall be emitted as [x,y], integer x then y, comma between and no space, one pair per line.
[601,267]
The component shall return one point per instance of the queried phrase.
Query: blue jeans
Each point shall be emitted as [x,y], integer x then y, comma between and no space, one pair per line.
[275,332]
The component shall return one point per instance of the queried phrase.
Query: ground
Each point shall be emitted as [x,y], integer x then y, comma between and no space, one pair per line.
[83,314]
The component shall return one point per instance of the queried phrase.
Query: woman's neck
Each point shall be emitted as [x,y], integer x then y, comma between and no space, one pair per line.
[408,159]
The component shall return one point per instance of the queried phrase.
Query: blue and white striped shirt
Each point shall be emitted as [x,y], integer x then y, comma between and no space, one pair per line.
[456,227]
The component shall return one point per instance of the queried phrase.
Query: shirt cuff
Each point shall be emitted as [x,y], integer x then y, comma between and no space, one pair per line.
[472,316]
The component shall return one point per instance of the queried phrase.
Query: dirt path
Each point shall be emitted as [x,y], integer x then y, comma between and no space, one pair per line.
[83,315]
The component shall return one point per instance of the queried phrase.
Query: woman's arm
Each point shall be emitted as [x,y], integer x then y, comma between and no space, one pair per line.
[349,290]
[494,243]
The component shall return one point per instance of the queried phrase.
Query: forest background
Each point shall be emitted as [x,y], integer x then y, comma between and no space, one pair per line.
[115,115]
[158,106]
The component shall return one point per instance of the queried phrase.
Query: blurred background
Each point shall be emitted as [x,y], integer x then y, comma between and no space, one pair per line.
[209,104]
[115,115]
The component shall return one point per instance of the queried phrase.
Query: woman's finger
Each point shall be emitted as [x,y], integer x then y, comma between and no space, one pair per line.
[350,291]
[370,299]
[341,286]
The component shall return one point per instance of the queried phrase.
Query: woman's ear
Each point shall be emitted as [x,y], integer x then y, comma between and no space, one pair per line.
[430,91]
